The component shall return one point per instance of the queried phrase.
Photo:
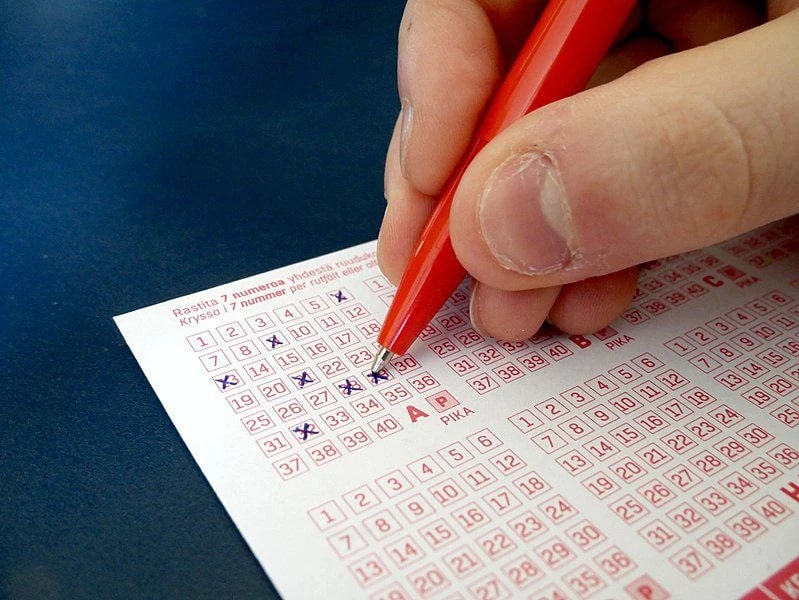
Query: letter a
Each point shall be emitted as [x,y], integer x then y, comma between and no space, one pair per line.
[415,414]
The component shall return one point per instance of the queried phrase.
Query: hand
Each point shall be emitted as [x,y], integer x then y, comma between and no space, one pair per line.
[692,138]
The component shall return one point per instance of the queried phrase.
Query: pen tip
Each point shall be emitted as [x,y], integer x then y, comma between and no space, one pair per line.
[381,359]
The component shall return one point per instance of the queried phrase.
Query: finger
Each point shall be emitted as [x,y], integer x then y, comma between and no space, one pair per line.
[777,8]
[407,211]
[590,305]
[511,316]
[448,65]
[626,57]
[691,23]
[686,151]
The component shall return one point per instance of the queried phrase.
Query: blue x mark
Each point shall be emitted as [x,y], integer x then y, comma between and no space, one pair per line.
[274,341]
[302,379]
[339,296]
[378,377]
[350,387]
[305,430]
[226,381]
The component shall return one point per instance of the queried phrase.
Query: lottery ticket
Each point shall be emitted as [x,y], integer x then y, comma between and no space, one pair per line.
[657,458]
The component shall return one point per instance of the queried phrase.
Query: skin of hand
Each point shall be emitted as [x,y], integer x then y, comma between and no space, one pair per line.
[688,135]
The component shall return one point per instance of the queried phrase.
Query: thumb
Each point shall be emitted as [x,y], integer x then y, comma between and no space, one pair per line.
[681,153]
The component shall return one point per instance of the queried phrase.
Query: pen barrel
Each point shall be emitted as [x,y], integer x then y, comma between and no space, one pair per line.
[557,60]
[419,295]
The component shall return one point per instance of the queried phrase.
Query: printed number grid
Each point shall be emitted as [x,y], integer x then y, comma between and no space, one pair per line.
[682,468]
[678,465]
[471,512]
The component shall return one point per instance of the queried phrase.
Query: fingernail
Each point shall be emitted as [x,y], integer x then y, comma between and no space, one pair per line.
[474,310]
[405,131]
[524,215]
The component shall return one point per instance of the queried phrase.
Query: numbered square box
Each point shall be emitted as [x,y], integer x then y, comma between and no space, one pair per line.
[227,381]
[428,581]
[477,476]
[288,359]
[489,586]
[705,363]
[290,466]
[707,463]
[502,500]
[651,422]
[508,372]
[344,339]
[615,562]
[447,492]
[455,454]
[273,444]
[306,431]
[349,386]
[771,509]
[405,552]
[258,369]
[687,517]
[601,415]
[287,313]
[360,499]
[585,581]
[394,483]
[425,469]
[738,485]
[289,410]
[323,453]
[242,401]
[438,534]
[382,525]
[347,542]
[507,462]
[628,470]
[395,393]
[527,526]
[522,572]
[683,476]
[691,563]
[654,455]
[244,349]
[549,441]
[327,515]
[214,360]
[384,426]
[554,553]
[304,378]
[601,448]
[202,340]
[355,439]
[576,428]
[647,362]
[558,510]
[337,418]
[577,396]
[713,501]
[556,351]
[415,508]
[533,361]
[259,322]
[600,485]
[585,535]
[368,570]
[257,422]
[463,562]
[659,535]
[680,346]
[629,509]
[601,385]
[231,331]
[471,517]
[495,543]
[274,341]
[339,296]
[746,526]
[375,379]
[656,493]
[273,389]
[484,441]
[574,462]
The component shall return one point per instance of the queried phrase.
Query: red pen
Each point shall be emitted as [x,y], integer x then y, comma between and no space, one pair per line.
[557,60]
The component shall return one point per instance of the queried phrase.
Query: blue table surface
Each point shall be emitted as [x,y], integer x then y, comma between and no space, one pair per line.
[149,150]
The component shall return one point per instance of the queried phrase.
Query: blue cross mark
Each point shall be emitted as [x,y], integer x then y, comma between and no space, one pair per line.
[274,341]
[339,296]
[349,387]
[302,379]
[378,377]
[226,381]
[306,430]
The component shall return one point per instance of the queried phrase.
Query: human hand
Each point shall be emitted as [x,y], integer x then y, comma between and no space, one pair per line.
[552,217]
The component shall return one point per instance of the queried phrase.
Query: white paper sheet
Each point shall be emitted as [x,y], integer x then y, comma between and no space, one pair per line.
[655,459]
